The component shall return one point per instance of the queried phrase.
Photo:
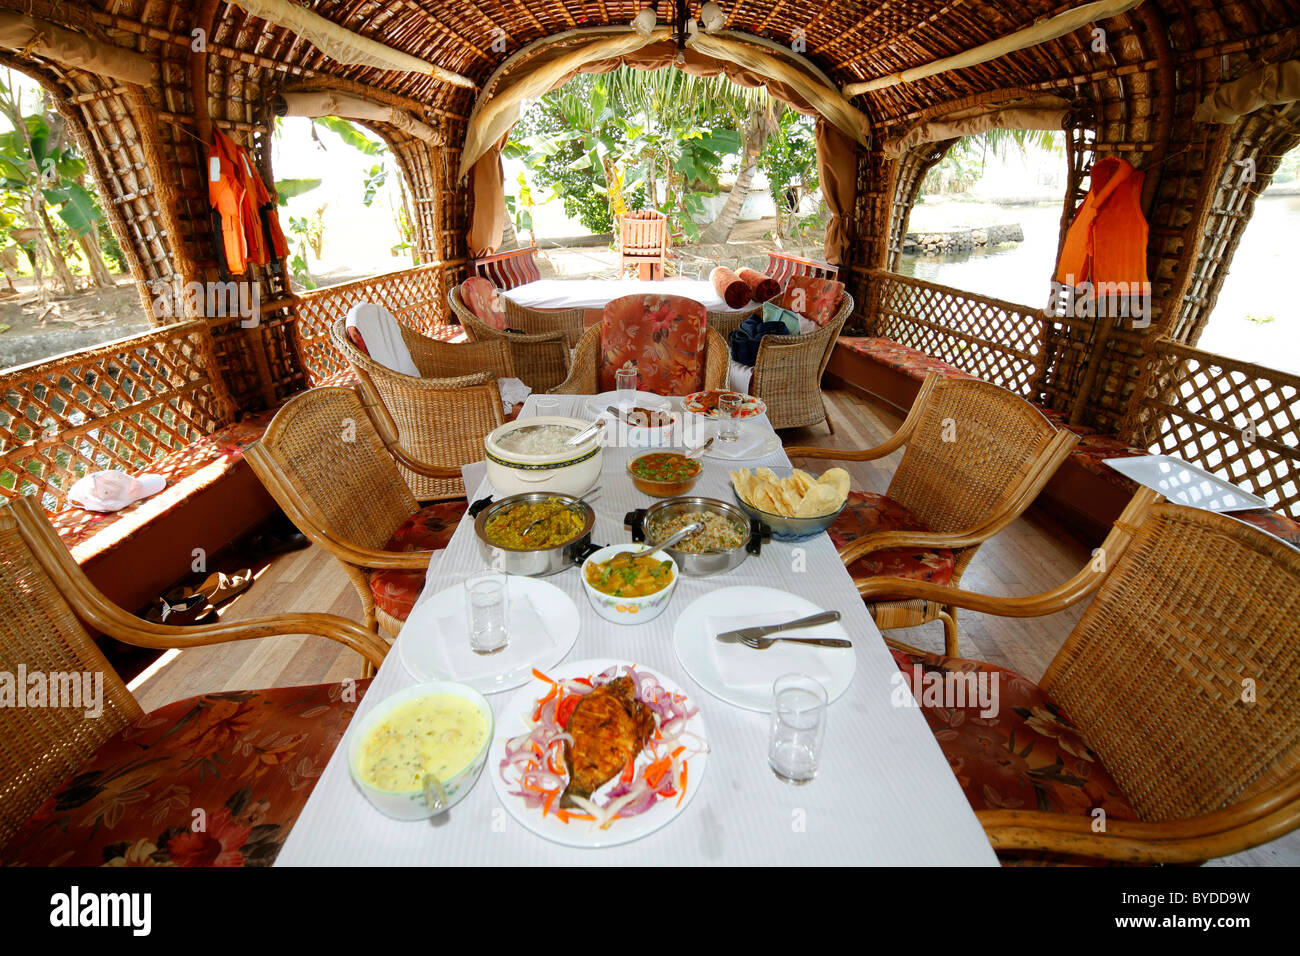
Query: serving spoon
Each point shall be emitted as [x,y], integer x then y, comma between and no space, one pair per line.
[668,542]
[535,523]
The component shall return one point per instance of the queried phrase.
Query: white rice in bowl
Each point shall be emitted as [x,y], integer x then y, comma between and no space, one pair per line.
[537,440]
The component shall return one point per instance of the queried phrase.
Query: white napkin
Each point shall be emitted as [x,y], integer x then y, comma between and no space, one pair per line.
[451,654]
[741,666]
[383,337]
[513,392]
[739,376]
[472,475]
[753,437]
[113,490]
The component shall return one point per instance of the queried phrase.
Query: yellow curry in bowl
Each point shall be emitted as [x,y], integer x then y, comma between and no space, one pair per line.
[557,524]
[638,577]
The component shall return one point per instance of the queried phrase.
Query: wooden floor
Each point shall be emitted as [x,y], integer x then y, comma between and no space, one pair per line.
[1031,556]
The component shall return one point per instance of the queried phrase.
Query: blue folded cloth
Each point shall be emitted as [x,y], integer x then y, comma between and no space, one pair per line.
[746,337]
[774,313]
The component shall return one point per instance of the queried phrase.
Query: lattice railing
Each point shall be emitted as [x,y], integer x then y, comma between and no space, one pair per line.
[1000,342]
[417,297]
[1237,420]
[121,405]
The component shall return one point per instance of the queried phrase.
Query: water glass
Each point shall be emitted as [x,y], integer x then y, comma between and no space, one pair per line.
[546,405]
[729,415]
[487,606]
[798,725]
[625,380]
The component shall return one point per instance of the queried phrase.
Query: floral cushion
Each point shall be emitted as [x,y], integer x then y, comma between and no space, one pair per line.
[867,512]
[663,336]
[188,471]
[1027,755]
[248,760]
[1278,525]
[813,298]
[429,529]
[911,362]
[480,297]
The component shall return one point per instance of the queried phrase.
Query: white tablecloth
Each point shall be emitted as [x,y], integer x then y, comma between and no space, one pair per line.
[884,793]
[595,293]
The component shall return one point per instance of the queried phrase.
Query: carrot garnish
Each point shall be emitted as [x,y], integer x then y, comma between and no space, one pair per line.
[683,795]
[655,772]
[540,676]
[629,771]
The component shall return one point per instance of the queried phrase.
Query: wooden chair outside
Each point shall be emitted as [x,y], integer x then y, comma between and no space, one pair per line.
[540,360]
[51,610]
[440,419]
[976,457]
[584,371]
[788,373]
[1189,607]
[643,238]
[506,270]
[334,476]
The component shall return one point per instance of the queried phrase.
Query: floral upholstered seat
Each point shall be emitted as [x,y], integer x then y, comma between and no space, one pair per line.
[867,513]
[429,529]
[814,298]
[1026,756]
[481,297]
[216,780]
[663,336]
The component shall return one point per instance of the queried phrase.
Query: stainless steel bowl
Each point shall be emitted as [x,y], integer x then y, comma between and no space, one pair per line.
[644,520]
[536,562]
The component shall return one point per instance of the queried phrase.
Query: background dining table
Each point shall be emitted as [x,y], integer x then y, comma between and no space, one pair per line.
[884,793]
[593,294]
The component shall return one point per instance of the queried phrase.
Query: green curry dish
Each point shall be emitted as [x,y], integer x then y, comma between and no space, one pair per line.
[666,467]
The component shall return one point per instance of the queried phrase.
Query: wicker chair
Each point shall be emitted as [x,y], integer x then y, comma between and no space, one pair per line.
[329,469]
[976,458]
[1194,613]
[540,360]
[584,374]
[572,322]
[788,373]
[724,323]
[51,612]
[440,419]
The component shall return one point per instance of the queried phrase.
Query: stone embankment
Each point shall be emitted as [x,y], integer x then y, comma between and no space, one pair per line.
[961,240]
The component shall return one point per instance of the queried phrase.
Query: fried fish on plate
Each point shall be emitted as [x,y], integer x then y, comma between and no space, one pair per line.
[609,727]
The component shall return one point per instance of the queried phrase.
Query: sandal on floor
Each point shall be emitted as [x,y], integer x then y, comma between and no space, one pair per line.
[191,609]
[218,588]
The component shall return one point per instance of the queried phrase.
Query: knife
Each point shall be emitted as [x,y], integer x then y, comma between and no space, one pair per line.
[732,637]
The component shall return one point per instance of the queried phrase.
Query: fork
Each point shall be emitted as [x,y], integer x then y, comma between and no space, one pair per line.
[763,643]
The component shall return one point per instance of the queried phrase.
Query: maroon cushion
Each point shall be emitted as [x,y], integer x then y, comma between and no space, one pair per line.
[248,759]
[866,513]
[429,529]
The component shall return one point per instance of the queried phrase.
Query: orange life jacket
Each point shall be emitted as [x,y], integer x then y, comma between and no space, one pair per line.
[249,225]
[1107,241]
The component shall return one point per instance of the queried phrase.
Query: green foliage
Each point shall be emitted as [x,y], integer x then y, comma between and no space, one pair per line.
[1260,319]
[350,134]
[609,143]
[789,160]
[286,189]
[963,165]
[111,248]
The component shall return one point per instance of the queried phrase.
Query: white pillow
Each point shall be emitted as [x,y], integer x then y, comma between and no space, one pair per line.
[383,337]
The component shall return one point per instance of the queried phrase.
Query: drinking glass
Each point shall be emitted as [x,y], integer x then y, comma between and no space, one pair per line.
[625,380]
[487,606]
[546,405]
[798,725]
[729,415]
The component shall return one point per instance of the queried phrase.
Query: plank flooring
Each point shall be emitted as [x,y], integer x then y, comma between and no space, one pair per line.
[1031,556]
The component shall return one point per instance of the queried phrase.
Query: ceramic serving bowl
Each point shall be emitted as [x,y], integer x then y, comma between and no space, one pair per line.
[411,804]
[628,610]
[785,528]
[663,489]
[569,471]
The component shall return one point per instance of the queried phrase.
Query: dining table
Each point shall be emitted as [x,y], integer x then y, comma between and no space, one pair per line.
[592,295]
[883,793]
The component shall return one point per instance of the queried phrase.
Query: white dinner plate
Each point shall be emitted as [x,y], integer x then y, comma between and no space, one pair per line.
[419,652]
[770,446]
[602,401]
[514,721]
[1185,484]
[692,637]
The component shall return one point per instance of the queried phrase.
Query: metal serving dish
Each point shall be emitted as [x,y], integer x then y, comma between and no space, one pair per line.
[534,562]
[691,563]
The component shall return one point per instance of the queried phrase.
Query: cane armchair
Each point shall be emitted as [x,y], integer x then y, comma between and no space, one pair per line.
[329,469]
[440,419]
[977,456]
[520,318]
[51,612]
[665,335]
[788,372]
[1182,688]
[540,360]
[724,323]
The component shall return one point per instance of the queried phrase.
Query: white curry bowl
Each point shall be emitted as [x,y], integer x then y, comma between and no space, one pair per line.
[569,471]
[628,610]
[411,804]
